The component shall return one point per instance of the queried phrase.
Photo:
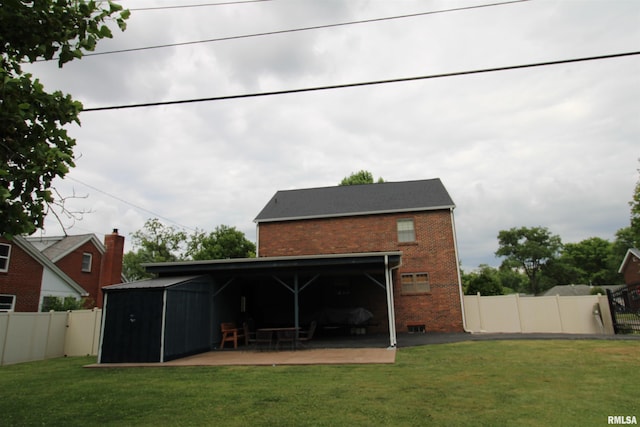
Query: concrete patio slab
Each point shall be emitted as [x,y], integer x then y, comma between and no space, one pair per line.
[324,356]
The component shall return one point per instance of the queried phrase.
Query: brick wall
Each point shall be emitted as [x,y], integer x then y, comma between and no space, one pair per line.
[71,264]
[433,252]
[631,271]
[23,279]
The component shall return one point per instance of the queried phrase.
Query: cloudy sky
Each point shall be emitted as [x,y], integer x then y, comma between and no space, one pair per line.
[552,146]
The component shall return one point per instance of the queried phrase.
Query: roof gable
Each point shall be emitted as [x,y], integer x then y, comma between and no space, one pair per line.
[25,245]
[350,200]
[631,253]
[56,248]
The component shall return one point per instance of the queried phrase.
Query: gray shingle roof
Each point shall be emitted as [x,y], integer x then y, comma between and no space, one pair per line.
[351,200]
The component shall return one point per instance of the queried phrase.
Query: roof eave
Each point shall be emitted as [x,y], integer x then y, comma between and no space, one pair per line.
[348,214]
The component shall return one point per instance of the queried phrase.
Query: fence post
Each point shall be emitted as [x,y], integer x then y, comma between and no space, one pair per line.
[612,310]
[559,313]
[479,311]
[6,336]
[519,310]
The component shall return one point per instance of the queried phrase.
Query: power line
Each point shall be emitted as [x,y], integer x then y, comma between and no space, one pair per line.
[293,30]
[197,5]
[369,83]
[129,203]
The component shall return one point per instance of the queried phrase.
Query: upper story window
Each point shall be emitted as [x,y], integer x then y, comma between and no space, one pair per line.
[86,262]
[5,253]
[7,302]
[406,231]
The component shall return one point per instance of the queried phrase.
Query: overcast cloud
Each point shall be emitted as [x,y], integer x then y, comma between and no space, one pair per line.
[554,146]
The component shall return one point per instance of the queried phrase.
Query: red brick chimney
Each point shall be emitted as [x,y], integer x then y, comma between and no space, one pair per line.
[111,270]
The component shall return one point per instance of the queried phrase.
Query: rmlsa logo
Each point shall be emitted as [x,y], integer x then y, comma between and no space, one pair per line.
[622,419]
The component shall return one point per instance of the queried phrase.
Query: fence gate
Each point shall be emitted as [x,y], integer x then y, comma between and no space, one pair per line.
[624,305]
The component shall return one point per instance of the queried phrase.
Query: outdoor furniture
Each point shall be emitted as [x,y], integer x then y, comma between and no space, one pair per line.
[308,334]
[286,336]
[230,334]
[283,335]
[263,339]
[249,337]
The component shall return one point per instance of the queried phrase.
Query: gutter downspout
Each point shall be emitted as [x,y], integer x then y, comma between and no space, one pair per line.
[388,275]
[257,239]
[455,246]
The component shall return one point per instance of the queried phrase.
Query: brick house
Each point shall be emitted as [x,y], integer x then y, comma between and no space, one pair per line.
[630,267]
[414,217]
[354,260]
[34,268]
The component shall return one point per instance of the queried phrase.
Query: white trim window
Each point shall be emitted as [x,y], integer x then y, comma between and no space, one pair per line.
[7,302]
[406,231]
[5,254]
[86,262]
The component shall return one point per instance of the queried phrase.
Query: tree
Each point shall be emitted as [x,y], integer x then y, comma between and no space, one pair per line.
[357,178]
[635,215]
[592,260]
[154,243]
[486,281]
[224,242]
[34,146]
[530,249]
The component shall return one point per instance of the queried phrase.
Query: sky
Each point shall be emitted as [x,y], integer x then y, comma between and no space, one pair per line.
[553,146]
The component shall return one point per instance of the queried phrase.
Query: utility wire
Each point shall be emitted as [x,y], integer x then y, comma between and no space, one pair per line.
[293,30]
[370,83]
[197,5]
[129,203]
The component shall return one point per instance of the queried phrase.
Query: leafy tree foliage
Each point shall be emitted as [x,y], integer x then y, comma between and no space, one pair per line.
[222,243]
[154,243]
[486,281]
[34,146]
[62,304]
[530,249]
[357,178]
[635,216]
[591,260]
[157,242]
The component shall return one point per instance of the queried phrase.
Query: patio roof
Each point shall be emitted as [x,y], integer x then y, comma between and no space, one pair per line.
[267,265]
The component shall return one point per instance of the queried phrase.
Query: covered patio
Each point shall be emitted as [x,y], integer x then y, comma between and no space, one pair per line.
[179,313]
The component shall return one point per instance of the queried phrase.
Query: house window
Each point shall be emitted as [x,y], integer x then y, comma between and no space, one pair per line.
[415,283]
[5,252]
[86,262]
[7,302]
[406,232]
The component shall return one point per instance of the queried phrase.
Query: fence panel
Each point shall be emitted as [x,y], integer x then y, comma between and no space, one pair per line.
[513,314]
[83,333]
[25,337]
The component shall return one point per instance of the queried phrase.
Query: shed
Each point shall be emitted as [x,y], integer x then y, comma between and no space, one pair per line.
[156,320]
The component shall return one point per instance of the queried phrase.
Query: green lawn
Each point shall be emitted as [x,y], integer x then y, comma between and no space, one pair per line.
[499,383]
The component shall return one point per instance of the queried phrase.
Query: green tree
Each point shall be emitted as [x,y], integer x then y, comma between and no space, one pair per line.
[357,178]
[34,146]
[635,215]
[222,243]
[486,281]
[530,249]
[592,260]
[154,243]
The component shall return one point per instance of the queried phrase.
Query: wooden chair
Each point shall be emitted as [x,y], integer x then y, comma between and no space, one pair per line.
[308,334]
[249,337]
[230,334]
[263,340]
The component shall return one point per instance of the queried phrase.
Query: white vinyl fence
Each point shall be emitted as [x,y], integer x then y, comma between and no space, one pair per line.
[25,337]
[554,314]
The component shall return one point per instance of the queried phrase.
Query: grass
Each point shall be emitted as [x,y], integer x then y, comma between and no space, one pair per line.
[499,383]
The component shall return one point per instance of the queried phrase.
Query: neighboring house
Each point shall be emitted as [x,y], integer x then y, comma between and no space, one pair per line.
[413,217]
[630,267]
[577,290]
[35,268]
